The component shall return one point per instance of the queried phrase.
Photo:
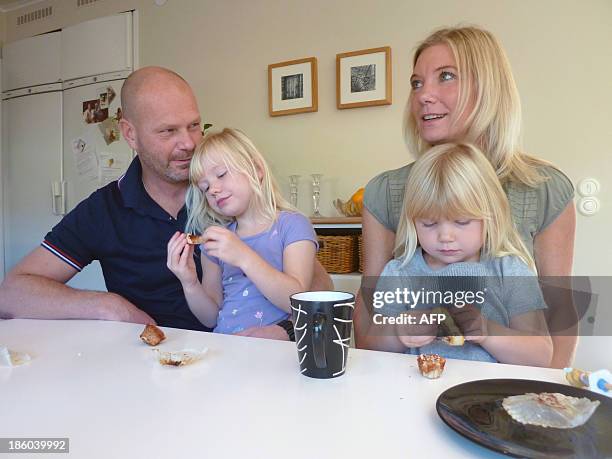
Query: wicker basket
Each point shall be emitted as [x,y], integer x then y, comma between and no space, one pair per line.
[338,254]
[360,248]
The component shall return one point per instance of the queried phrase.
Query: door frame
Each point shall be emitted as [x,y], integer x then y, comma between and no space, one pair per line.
[2,256]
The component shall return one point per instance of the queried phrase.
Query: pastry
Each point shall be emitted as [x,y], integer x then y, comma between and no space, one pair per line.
[179,358]
[152,335]
[452,334]
[431,365]
[10,358]
[194,239]
[454,340]
[550,409]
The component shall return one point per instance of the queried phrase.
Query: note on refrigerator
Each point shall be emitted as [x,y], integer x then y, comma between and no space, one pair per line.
[110,130]
[85,159]
[113,165]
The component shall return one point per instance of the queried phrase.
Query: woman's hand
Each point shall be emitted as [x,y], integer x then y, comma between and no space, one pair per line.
[180,259]
[225,245]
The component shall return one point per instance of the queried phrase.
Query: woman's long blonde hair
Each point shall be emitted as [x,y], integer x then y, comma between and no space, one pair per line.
[486,80]
[234,150]
[452,181]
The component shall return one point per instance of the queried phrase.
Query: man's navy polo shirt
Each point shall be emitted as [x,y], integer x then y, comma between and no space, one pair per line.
[127,232]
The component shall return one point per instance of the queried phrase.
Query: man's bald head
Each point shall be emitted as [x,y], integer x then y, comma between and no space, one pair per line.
[146,82]
[161,121]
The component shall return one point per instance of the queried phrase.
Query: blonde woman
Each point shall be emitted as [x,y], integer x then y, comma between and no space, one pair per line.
[463,90]
[257,250]
[456,230]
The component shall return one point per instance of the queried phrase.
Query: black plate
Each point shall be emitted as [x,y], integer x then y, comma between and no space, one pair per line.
[475,410]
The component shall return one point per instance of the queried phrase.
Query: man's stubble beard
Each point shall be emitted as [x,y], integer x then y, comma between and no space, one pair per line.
[165,173]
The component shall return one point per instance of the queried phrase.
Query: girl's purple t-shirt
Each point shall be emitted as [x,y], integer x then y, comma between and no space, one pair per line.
[244,306]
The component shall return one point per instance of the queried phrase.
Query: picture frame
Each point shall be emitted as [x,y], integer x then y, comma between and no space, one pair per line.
[293,87]
[363,78]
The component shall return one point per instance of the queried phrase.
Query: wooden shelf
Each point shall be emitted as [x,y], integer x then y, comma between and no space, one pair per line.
[336,222]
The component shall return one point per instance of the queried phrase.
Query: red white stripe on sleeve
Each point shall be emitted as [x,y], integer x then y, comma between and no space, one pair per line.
[58,253]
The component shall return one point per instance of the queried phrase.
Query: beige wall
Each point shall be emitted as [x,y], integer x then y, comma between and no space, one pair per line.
[559,49]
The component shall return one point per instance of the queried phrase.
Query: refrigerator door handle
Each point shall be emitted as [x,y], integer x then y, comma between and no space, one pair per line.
[58,197]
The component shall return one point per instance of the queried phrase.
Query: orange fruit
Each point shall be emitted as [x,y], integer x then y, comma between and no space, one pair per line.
[357,197]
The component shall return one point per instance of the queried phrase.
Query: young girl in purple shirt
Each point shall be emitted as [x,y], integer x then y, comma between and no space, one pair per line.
[257,249]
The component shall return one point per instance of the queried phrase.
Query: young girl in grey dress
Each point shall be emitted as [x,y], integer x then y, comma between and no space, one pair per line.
[456,235]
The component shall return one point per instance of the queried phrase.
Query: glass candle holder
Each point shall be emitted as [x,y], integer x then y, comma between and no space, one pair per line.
[316,194]
[293,189]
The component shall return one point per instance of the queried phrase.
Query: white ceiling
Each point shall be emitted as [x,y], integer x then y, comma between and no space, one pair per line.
[10,5]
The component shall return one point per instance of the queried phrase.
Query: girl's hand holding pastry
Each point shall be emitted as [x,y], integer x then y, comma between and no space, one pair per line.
[180,259]
[225,245]
[416,335]
[471,322]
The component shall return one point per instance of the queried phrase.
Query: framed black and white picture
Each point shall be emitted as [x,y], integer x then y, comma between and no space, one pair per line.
[292,87]
[363,78]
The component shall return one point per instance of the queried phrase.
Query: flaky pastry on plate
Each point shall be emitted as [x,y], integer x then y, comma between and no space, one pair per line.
[550,409]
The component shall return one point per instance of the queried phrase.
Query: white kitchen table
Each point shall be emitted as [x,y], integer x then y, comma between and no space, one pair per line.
[99,385]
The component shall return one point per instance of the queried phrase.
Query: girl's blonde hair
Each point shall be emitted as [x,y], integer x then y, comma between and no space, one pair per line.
[234,150]
[494,124]
[452,181]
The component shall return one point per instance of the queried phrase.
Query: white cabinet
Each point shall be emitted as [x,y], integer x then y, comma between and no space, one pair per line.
[98,46]
[32,61]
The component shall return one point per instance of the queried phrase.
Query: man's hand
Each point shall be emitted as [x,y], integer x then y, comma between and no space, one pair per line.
[119,309]
[268,332]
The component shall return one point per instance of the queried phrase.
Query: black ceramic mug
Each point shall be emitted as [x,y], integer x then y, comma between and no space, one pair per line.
[323,322]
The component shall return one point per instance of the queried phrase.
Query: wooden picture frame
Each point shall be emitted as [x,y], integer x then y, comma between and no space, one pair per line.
[293,87]
[363,78]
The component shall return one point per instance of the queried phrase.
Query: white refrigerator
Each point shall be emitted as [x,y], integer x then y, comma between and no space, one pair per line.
[31,142]
[94,154]
[32,134]
[61,95]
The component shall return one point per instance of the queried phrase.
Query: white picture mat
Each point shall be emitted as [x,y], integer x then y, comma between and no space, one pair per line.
[279,72]
[346,97]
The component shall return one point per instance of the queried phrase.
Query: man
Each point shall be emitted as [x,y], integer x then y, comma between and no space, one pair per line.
[126,225]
